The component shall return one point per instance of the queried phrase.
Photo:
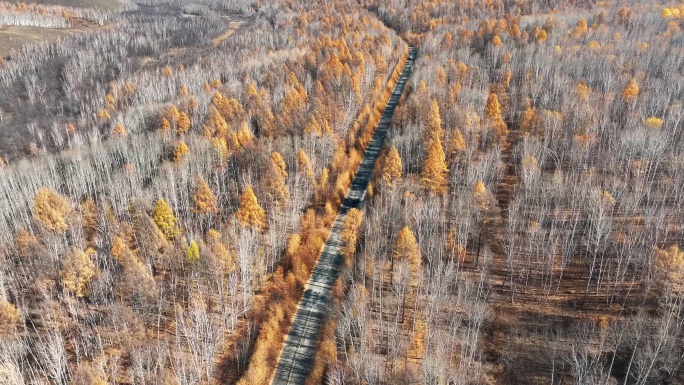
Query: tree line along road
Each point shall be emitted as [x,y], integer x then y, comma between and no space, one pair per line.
[298,352]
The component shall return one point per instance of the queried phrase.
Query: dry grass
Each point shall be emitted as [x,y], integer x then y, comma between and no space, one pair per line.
[233,25]
[12,37]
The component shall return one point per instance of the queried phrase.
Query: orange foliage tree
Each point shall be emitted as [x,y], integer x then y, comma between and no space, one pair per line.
[250,214]
[51,209]
[203,199]
[435,169]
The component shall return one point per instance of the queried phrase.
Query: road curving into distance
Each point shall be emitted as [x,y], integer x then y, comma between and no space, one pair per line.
[296,358]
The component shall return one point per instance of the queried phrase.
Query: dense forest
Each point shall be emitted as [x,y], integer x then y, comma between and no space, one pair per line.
[169,176]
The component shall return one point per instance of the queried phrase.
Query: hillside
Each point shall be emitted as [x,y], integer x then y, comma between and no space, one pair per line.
[170,173]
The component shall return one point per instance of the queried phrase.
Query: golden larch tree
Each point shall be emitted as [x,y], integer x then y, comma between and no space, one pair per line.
[391,167]
[631,92]
[51,209]
[183,124]
[406,249]
[304,166]
[203,199]
[216,125]
[164,125]
[192,253]
[275,180]
[9,318]
[244,134]
[480,195]
[119,131]
[164,219]
[26,243]
[493,113]
[250,214]
[350,232]
[278,163]
[433,178]
[77,271]
[434,123]
[180,151]
[654,122]
[457,144]
[669,264]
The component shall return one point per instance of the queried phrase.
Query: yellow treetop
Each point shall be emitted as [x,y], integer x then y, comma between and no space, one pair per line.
[77,271]
[119,131]
[350,231]
[493,113]
[216,125]
[278,163]
[276,187]
[180,151]
[25,242]
[434,122]
[164,219]
[496,41]
[50,209]
[172,113]
[457,145]
[406,249]
[493,108]
[229,108]
[250,214]
[541,36]
[631,91]
[313,127]
[192,253]
[669,264]
[581,27]
[120,250]
[203,198]
[583,91]
[304,166]
[9,317]
[391,167]
[654,122]
[164,125]
[244,135]
[480,195]
[435,169]
[183,123]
